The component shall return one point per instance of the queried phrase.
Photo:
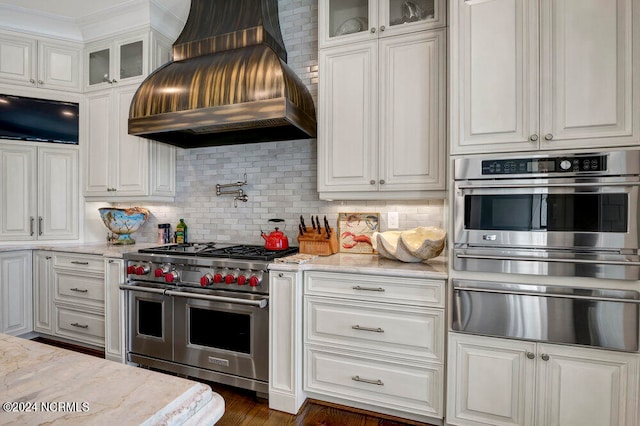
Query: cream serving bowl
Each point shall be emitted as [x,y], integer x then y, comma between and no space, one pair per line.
[413,245]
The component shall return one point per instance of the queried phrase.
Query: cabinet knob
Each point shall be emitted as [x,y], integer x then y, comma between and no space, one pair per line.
[372,182]
[281,275]
[40,82]
[531,355]
[382,182]
[548,136]
[533,138]
[113,81]
[373,30]
[32,81]
[545,357]
[382,28]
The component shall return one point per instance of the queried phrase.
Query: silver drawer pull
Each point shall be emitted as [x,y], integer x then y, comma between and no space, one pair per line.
[79,290]
[380,289]
[371,382]
[75,324]
[75,262]
[375,330]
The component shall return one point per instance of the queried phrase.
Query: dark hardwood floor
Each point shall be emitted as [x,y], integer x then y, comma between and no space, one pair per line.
[243,408]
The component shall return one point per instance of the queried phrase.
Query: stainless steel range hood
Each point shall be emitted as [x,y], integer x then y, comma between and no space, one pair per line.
[228,82]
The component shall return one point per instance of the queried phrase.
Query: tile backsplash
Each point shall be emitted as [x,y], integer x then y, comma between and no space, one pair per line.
[281,176]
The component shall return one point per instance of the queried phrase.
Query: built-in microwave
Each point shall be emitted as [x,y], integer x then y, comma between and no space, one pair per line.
[571,214]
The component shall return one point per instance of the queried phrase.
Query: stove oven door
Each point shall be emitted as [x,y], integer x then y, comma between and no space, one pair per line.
[226,334]
[150,324]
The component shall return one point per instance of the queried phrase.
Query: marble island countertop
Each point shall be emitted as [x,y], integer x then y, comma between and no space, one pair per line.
[44,384]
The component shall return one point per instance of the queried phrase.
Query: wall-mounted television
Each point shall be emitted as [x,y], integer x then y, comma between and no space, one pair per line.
[38,120]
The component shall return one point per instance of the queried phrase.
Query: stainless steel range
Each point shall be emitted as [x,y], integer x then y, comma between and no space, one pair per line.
[201,310]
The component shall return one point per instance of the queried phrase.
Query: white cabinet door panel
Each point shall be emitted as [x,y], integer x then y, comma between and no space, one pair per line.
[58,194]
[587,72]
[494,96]
[16,304]
[17,60]
[348,107]
[132,157]
[580,386]
[412,123]
[18,199]
[491,381]
[59,66]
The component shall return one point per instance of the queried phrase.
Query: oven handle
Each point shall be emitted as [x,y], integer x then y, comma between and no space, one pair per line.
[538,294]
[546,185]
[262,303]
[142,289]
[548,259]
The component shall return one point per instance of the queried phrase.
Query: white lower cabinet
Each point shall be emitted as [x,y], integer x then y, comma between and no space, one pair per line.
[285,341]
[69,296]
[42,288]
[114,344]
[495,381]
[15,292]
[369,348]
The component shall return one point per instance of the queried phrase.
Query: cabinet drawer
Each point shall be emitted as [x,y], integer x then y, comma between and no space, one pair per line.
[81,326]
[79,262]
[79,289]
[391,330]
[375,288]
[397,386]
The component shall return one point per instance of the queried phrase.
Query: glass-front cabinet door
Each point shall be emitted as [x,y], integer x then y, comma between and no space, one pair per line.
[117,61]
[349,21]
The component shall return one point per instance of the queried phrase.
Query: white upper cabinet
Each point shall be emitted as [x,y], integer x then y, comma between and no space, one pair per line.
[38,192]
[120,166]
[348,21]
[381,118]
[124,59]
[543,74]
[43,63]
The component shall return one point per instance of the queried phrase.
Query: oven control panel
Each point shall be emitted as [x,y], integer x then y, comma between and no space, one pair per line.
[518,166]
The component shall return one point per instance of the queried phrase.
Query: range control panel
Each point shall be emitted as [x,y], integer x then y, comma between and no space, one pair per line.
[517,166]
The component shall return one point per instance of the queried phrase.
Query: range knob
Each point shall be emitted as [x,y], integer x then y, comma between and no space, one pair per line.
[242,279]
[206,280]
[565,164]
[254,281]
[142,270]
[218,278]
[172,276]
[159,272]
[131,269]
[229,279]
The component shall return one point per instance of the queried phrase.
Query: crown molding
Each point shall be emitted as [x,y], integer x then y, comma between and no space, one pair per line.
[127,16]
[31,21]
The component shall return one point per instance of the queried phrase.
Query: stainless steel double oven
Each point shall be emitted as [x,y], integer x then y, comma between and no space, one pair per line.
[573,215]
[570,215]
[201,310]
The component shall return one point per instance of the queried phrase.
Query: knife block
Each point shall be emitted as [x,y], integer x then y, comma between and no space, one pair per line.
[318,244]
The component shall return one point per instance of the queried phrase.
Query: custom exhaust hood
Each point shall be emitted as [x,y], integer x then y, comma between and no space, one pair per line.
[228,82]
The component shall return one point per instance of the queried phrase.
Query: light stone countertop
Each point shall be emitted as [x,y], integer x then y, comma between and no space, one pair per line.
[370,264]
[340,262]
[99,249]
[83,389]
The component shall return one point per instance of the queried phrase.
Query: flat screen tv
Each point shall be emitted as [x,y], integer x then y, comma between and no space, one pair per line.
[39,120]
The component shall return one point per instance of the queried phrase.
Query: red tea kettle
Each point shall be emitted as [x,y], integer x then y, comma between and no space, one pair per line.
[276,240]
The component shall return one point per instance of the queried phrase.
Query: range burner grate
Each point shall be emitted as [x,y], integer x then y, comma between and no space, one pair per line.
[248,252]
[239,251]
